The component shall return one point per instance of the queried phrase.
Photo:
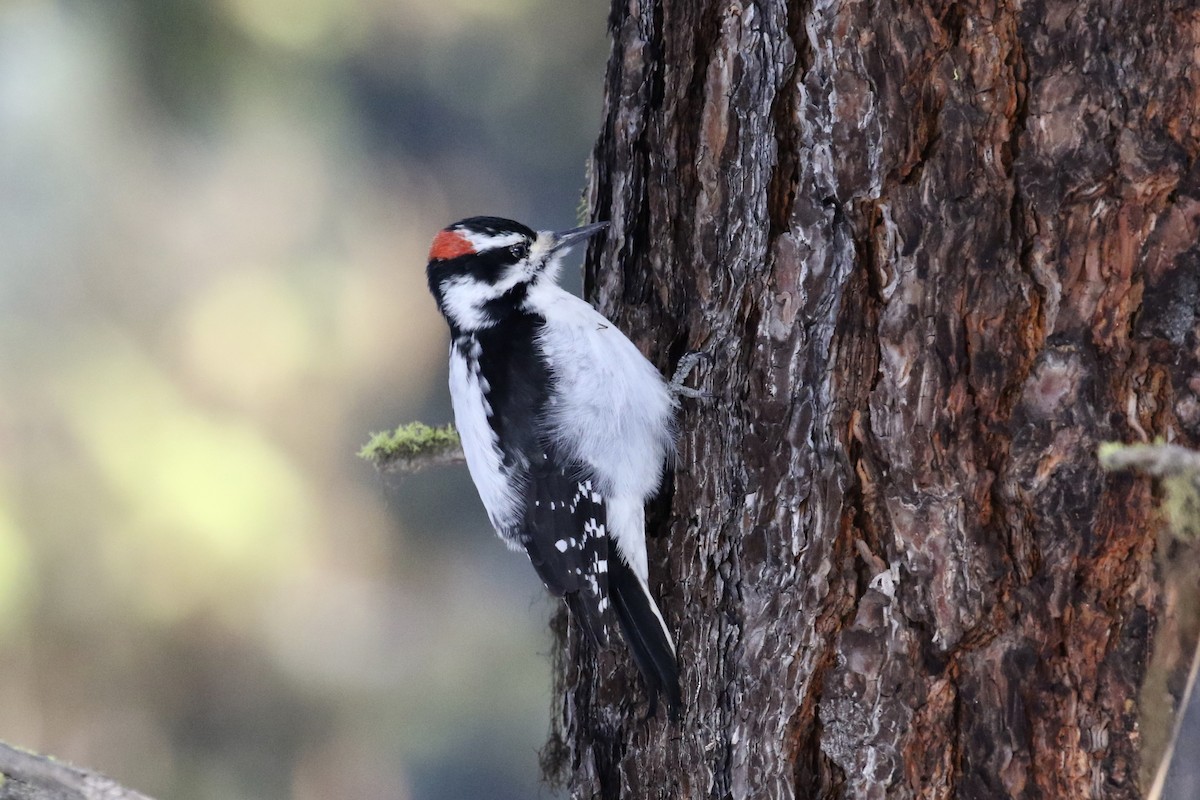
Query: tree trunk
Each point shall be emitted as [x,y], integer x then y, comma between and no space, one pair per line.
[937,252]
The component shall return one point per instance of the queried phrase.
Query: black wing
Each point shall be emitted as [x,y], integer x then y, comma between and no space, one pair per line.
[567,541]
[563,524]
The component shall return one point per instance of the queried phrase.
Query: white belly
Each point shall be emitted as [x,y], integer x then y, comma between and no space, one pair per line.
[612,409]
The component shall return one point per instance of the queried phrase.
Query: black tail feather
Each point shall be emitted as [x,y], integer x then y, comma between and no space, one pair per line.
[589,620]
[647,638]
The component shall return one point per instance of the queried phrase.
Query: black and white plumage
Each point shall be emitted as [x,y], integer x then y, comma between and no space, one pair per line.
[567,428]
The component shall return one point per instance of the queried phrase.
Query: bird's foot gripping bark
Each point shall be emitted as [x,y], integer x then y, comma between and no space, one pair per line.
[683,370]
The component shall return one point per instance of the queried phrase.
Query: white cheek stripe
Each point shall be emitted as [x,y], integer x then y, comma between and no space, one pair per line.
[464,298]
[482,242]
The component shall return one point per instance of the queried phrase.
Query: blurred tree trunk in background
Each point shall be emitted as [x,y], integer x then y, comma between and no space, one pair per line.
[938,252]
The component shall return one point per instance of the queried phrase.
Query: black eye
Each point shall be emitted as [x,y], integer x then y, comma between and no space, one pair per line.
[519,250]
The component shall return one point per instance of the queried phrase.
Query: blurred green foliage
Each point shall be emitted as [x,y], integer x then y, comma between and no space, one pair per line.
[214,217]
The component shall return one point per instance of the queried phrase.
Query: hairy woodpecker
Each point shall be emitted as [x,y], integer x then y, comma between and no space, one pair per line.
[567,428]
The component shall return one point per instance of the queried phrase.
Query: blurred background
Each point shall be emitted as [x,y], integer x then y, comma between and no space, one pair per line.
[213,222]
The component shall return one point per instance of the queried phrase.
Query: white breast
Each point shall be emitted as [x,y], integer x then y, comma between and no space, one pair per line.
[610,407]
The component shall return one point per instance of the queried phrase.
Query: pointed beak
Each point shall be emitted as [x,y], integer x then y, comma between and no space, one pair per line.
[565,240]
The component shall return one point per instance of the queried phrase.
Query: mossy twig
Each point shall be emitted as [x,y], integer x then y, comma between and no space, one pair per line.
[413,447]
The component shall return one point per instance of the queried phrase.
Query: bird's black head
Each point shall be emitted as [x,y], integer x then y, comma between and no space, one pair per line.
[481,268]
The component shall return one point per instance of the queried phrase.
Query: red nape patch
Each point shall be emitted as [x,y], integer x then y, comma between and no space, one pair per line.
[449,244]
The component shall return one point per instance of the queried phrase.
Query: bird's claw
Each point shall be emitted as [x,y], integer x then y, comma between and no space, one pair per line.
[683,369]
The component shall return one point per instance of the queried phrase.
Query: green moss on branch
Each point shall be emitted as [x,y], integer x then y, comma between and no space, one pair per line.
[413,447]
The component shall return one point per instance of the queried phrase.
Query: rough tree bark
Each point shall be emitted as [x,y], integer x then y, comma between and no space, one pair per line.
[938,251]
